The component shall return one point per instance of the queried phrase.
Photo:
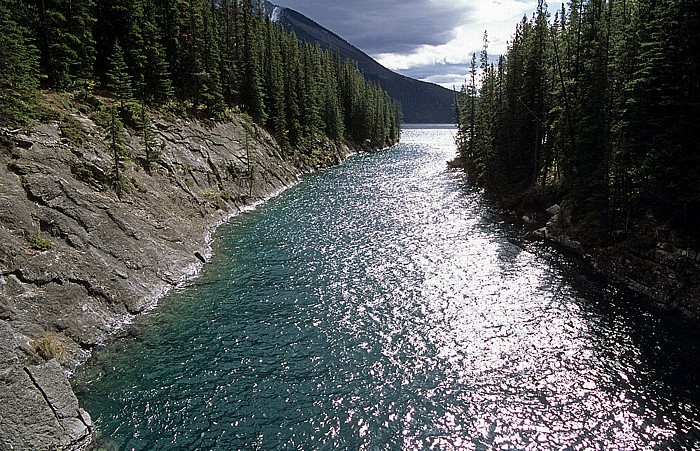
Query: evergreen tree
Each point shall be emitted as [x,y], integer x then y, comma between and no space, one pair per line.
[274,82]
[19,70]
[209,61]
[118,151]
[124,21]
[169,22]
[292,112]
[252,94]
[332,114]
[312,104]
[157,84]
[230,59]
[662,112]
[207,55]
[601,106]
[64,33]
[118,80]
[148,140]
[467,131]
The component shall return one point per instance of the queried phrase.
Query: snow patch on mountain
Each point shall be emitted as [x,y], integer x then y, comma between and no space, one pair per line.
[276,14]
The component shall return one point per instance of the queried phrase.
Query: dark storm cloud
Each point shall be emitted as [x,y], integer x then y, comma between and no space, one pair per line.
[385,26]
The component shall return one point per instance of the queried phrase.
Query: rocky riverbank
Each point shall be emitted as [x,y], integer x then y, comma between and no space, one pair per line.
[658,264]
[78,262]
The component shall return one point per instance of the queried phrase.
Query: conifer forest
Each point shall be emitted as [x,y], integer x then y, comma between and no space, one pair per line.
[595,105]
[200,58]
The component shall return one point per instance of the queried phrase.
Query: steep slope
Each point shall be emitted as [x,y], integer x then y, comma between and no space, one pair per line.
[422,103]
[77,262]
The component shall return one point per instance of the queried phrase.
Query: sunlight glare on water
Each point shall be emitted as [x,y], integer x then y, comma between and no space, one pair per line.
[383,305]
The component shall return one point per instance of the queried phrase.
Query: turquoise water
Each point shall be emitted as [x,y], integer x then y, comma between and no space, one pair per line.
[383,305]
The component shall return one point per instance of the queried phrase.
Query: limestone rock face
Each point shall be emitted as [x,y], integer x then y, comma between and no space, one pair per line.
[77,261]
[55,420]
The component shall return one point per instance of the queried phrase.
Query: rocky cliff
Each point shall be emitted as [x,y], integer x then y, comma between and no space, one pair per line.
[78,262]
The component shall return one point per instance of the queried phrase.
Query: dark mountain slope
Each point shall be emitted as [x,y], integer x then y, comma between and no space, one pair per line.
[422,102]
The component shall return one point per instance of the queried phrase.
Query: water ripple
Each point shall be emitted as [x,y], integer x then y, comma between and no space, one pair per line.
[392,311]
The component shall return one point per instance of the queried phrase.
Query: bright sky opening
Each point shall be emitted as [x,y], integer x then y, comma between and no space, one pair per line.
[430,40]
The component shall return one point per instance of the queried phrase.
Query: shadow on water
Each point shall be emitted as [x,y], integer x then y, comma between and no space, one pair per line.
[668,343]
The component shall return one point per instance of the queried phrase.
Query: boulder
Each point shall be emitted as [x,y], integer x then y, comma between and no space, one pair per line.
[529,221]
[536,235]
[554,210]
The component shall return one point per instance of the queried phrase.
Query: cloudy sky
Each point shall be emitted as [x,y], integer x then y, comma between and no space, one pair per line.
[430,40]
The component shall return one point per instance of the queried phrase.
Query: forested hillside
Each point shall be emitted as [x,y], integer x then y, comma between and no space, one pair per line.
[421,102]
[596,106]
[200,58]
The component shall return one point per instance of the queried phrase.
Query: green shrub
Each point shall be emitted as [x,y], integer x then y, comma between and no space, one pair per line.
[45,113]
[89,173]
[212,198]
[130,115]
[85,97]
[102,117]
[39,243]
[72,130]
[49,347]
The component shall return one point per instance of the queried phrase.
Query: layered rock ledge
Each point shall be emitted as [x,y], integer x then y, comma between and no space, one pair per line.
[78,262]
[660,266]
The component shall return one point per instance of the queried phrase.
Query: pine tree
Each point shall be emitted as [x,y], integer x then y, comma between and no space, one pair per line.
[209,61]
[230,61]
[662,113]
[206,54]
[274,82]
[123,21]
[467,132]
[63,29]
[19,71]
[292,112]
[252,94]
[332,114]
[118,80]
[601,105]
[118,151]
[157,84]
[169,21]
[148,140]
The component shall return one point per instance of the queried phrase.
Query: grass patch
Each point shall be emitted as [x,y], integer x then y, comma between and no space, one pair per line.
[49,347]
[45,113]
[72,130]
[39,243]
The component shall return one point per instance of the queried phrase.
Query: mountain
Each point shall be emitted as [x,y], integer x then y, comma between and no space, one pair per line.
[421,102]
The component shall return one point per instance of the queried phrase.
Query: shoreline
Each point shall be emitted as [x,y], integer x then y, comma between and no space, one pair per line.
[661,270]
[193,271]
[651,259]
[107,259]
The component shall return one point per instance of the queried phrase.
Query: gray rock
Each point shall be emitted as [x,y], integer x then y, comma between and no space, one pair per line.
[554,210]
[554,221]
[571,244]
[110,258]
[536,235]
[529,221]
[27,421]
[75,424]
